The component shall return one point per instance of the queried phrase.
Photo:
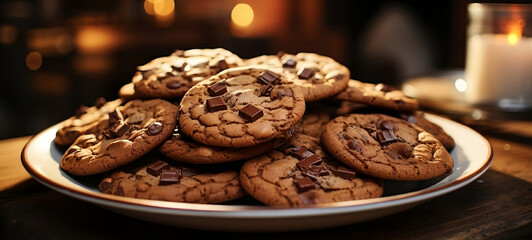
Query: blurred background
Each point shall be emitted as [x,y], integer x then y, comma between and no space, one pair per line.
[57,55]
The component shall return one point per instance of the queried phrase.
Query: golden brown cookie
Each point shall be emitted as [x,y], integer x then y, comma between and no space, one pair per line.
[386,147]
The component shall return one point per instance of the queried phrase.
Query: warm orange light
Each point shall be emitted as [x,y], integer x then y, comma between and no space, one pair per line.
[95,38]
[242,15]
[515,31]
[148,7]
[163,7]
[33,60]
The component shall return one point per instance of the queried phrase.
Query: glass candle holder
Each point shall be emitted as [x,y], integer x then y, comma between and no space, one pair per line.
[499,56]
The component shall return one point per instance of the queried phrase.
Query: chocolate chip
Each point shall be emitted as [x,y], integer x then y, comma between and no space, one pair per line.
[147,74]
[169,177]
[250,113]
[345,173]
[179,53]
[189,172]
[155,128]
[300,152]
[217,89]
[114,116]
[267,77]
[305,73]
[99,102]
[385,124]
[386,136]
[308,161]
[280,54]
[220,65]
[314,171]
[106,184]
[215,104]
[157,167]
[290,63]
[71,150]
[173,84]
[304,184]
[354,145]
[81,110]
[265,90]
[279,92]
[383,87]
[403,149]
[117,129]
[345,136]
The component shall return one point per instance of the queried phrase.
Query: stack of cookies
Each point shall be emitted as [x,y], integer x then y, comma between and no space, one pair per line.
[205,126]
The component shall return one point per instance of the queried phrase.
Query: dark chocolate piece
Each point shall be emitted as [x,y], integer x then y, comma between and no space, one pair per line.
[221,65]
[99,102]
[386,136]
[305,73]
[169,177]
[385,124]
[250,113]
[267,77]
[155,128]
[345,173]
[280,54]
[402,149]
[300,152]
[173,84]
[314,171]
[383,87]
[265,90]
[81,110]
[280,92]
[189,172]
[118,129]
[157,167]
[179,53]
[215,104]
[114,116]
[304,184]
[290,63]
[354,145]
[308,161]
[217,89]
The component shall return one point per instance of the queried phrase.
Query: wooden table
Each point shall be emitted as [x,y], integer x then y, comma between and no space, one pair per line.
[497,205]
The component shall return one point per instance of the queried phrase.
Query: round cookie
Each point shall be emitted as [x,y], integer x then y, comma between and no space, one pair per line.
[156,178]
[183,149]
[131,131]
[241,107]
[386,147]
[378,95]
[317,76]
[171,76]
[127,92]
[419,119]
[315,118]
[302,174]
[86,121]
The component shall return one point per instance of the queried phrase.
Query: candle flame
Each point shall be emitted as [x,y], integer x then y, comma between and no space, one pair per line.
[515,31]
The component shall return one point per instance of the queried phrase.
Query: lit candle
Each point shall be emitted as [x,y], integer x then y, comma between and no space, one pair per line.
[499,68]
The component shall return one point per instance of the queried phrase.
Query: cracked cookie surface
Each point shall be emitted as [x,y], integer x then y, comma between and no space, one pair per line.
[241,107]
[301,173]
[386,147]
[171,76]
[317,76]
[315,118]
[86,121]
[377,95]
[154,177]
[131,131]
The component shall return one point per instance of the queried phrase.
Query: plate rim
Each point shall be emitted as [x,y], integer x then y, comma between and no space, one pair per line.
[246,211]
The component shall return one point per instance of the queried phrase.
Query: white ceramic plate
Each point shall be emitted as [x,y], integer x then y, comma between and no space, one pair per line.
[472,156]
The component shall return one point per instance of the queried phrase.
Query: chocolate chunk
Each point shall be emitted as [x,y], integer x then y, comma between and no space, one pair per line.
[304,184]
[71,150]
[217,89]
[290,63]
[402,149]
[386,136]
[280,54]
[345,173]
[169,177]
[383,87]
[99,102]
[106,184]
[308,161]
[314,171]
[118,129]
[81,110]
[250,113]
[305,73]
[179,53]
[215,104]
[300,152]
[189,172]
[157,167]
[354,145]
[385,124]
[345,136]
[147,74]
[155,128]
[173,84]
[220,66]
[265,90]
[114,116]
[280,92]
[267,77]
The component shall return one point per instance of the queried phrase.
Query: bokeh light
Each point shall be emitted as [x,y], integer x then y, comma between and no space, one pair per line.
[33,60]
[242,15]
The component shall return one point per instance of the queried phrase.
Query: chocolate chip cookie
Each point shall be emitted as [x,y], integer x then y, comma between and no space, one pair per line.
[315,118]
[316,75]
[377,95]
[301,173]
[241,107]
[386,147]
[154,177]
[132,130]
[419,119]
[171,76]
[86,121]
